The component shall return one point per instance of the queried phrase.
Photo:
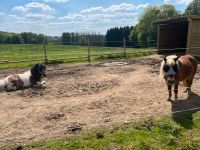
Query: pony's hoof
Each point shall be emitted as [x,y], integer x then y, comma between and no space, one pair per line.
[169,99]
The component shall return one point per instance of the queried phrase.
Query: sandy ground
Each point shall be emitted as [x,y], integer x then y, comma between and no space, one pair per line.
[78,97]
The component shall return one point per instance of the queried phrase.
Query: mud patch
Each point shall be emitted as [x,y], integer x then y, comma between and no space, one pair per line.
[74,128]
[32,92]
[112,64]
[121,70]
[98,104]
[68,90]
[54,116]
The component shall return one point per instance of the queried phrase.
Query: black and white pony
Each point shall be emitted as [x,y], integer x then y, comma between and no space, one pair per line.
[27,79]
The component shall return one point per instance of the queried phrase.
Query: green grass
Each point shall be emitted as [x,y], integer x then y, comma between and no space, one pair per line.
[165,133]
[61,54]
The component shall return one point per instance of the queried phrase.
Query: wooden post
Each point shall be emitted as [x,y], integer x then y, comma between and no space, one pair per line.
[124,45]
[45,52]
[89,52]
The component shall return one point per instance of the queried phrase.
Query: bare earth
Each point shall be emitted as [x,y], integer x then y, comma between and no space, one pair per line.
[84,96]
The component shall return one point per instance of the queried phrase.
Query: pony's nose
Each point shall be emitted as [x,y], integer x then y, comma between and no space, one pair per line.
[171,81]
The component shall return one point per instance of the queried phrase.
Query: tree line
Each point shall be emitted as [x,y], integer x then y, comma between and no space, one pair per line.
[21,38]
[82,38]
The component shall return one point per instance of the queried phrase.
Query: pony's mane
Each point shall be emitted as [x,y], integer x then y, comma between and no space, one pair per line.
[169,61]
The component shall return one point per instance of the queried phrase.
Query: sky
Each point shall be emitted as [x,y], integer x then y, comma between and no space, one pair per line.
[53,17]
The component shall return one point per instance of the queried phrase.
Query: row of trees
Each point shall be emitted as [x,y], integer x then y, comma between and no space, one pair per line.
[68,38]
[114,35]
[21,38]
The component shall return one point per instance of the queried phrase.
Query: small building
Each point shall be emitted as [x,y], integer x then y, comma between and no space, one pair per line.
[179,34]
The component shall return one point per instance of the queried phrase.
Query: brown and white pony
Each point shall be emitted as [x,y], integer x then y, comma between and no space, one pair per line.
[29,78]
[178,69]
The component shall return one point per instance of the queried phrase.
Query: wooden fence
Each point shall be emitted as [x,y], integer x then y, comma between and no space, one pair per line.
[46,54]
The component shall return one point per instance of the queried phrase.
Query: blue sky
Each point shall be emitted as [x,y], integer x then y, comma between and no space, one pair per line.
[52,17]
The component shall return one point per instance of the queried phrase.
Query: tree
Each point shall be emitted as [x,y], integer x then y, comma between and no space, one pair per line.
[167,10]
[66,37]
[146,29]
[16,39]
[115,36]
[133,37]
[193,8]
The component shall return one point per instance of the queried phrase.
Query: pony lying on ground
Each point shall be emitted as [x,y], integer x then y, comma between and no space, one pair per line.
[177,69]
[29,78]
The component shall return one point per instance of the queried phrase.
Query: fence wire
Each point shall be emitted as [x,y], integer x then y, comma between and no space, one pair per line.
[61,52]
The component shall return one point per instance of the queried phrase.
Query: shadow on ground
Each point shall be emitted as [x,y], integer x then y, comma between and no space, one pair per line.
[187,108]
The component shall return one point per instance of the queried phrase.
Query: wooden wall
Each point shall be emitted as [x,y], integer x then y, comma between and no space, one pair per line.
[193,43]
[173,35]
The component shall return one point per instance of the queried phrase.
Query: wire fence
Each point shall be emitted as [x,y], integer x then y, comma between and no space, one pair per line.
[20,55]
[62,52]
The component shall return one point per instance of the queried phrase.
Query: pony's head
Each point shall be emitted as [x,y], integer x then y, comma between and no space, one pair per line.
[39,70]
[169,68]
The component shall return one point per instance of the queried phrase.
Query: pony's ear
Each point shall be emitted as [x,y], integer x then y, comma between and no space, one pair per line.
[175,59]
[165,59]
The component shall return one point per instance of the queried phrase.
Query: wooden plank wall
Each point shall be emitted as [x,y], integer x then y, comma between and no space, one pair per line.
[172,36]
[194,38]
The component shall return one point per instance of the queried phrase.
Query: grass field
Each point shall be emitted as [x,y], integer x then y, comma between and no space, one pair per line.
[15,56]
[182,131]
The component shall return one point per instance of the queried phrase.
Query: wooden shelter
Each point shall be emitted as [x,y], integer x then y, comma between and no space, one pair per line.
[181,34]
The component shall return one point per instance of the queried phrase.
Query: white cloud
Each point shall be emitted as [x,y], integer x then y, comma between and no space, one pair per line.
[39,16]
[181,2]
[94,10]
[121,7]
[34,5]
[102,18]
[57,1]
[20,9]
[44,7]
[124,7]
[2,13]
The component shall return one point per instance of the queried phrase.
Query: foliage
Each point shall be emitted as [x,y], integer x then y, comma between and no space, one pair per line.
[193,8]
[22,38]
[118,34]
[146,30]
[82,38]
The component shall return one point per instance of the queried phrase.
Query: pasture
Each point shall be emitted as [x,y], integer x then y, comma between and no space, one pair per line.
[86,96]
[24,55]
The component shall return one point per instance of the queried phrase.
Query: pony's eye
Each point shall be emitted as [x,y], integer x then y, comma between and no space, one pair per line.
[166,68]
[175,68]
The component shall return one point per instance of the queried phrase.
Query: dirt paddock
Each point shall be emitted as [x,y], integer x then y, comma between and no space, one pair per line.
[84,96]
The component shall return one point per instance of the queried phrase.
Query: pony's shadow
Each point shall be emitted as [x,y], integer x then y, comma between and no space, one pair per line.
[183,110]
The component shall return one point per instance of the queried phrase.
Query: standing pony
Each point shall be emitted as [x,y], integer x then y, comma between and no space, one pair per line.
[178,69]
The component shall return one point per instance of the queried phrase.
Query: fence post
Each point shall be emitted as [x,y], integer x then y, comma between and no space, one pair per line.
[89,53]
[45,53]
[124,45]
